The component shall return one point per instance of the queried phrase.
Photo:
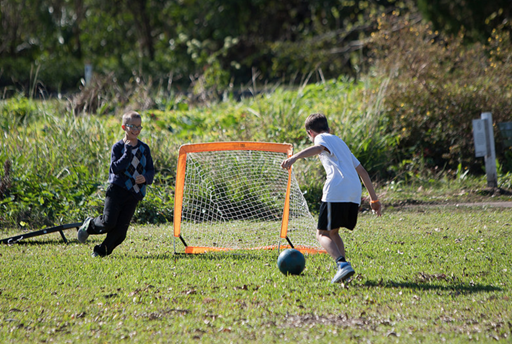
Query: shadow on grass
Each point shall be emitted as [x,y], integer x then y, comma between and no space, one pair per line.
[217,256]
[456,288]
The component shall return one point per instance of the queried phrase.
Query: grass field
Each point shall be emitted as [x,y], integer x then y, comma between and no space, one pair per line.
[423,275]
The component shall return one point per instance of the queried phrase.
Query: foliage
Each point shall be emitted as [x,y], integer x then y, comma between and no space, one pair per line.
[436,276]
[476,18]
[107,95]
[18,109]
[59,154]
[60,157]
[183,42]
[59,167]
[437,85]
[204,46]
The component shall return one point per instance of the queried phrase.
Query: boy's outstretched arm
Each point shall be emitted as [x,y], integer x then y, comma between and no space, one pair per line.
[365,177]
[310,151]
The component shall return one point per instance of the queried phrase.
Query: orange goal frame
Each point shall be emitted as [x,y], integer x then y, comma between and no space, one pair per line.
[225,146]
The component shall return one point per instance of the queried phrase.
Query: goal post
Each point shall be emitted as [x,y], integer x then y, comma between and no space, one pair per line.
[236,196]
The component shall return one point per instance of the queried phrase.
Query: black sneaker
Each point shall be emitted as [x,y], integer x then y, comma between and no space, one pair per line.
[99,251]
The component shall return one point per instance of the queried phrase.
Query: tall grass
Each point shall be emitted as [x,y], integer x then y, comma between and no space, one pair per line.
[51,173]
[60,160]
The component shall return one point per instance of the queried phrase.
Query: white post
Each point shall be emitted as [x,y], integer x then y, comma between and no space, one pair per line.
[480,137]
[87,73]
[490,157]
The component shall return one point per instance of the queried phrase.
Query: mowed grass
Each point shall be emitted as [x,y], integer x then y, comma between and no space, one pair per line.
[429,275]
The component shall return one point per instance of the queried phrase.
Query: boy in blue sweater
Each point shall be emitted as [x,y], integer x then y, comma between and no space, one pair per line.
[131,169]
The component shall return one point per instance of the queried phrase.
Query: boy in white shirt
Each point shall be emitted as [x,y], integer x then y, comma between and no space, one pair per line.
[341,195]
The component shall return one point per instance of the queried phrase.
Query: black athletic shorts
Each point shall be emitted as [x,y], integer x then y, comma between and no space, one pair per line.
[337,215]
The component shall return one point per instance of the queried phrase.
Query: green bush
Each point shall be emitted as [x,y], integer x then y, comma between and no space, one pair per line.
[437,85]
[31,201]
[60,157]
[17,111]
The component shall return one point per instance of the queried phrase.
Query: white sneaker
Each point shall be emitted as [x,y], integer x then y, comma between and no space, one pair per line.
[344,272]
[82,234]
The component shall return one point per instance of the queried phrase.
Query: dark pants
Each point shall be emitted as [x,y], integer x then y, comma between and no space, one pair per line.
[118,211]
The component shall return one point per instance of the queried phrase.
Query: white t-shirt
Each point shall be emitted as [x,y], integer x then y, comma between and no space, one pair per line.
[342,183]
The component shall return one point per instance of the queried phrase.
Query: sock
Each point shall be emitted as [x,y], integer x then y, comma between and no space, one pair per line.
[340,259]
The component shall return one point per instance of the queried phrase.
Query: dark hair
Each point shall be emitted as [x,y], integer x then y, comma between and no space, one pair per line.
[317,122]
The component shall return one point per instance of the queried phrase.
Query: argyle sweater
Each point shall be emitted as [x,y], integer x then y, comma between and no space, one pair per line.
[127,162]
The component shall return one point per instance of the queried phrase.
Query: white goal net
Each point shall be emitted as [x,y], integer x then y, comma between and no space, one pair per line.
[236,196]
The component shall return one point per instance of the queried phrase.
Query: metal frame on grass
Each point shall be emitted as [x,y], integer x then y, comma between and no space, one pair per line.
[17,238]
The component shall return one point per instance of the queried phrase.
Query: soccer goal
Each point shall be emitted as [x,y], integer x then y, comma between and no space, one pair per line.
[236,196]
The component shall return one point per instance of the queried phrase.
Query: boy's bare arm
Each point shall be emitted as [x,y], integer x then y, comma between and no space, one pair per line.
[310,151]
[365,177]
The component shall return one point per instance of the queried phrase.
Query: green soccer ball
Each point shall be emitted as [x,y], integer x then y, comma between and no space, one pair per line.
[291,262]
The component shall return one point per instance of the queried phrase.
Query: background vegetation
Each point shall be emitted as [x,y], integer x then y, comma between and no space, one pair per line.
[399,89]
[56,163]
[211,44]
[400,81]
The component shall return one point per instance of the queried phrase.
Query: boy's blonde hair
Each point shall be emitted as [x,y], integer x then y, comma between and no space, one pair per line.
[317,122]
[129,116]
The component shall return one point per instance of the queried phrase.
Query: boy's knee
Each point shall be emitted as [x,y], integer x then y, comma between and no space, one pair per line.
[321,233]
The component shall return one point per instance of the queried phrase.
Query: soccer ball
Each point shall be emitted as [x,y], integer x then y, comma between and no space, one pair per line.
[291,262]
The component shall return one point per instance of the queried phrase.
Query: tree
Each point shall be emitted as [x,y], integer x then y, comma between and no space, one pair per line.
[476,17]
